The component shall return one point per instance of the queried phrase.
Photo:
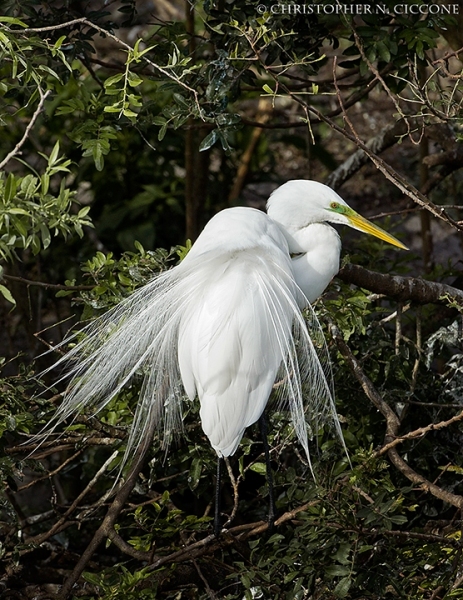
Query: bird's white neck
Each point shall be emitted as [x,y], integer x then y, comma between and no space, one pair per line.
[316,249]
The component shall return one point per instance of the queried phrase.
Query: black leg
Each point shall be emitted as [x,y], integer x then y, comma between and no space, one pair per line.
[217,520]
[272,507]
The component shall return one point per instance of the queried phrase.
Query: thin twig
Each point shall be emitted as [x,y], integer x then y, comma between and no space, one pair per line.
[234,483]
[53,286]
[162,70]
[209,591]
[418,346]
[420,432]
[30,125]
[377,75]
[39,539]
[398,328]
[50,27]
[51,473]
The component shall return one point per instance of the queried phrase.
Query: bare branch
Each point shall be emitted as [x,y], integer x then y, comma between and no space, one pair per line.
[387,138]
[401,288]
[426,537]
[51,27]
[420,432]
[38,110]
[51,473]
[234,483]
[53,286]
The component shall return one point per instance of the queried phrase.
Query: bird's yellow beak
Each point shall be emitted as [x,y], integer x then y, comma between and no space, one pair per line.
[363,224]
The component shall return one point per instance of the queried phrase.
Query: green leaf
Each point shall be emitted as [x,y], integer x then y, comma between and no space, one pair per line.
[19,226]
[342,555]
[113,80]
[195,473]
[45,181]
[92,578]
[337,571]
[59,42]
[13,21]
[54,154]
[290,576]
[5,292]
[180,100]
[124,279]
[259,468]
[49,71]
[129,113]
[98,160]
[134,80]
[276,537]
[383,51]
[83,212]
[162,132]
[343,587]
[10,188]
[209,140]
[45,233]
[115,108]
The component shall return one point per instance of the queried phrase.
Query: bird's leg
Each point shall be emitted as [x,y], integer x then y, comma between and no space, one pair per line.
[272,507]
[217,523]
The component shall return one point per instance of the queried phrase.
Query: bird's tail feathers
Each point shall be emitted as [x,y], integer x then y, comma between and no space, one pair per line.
[138,336]
[306,380]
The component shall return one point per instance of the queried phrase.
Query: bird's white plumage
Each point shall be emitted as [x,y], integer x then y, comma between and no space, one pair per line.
[225,324]
[229,347]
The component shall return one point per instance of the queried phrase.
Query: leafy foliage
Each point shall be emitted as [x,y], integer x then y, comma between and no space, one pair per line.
[30,214]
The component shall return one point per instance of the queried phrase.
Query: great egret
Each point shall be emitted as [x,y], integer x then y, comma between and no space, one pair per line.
[225,323]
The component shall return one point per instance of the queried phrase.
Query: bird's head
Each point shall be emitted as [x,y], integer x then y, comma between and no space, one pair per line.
[301,202]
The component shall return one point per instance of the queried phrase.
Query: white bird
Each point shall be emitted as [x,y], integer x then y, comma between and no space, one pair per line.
[225,324]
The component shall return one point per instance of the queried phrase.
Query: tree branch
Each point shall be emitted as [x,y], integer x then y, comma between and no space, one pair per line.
[401,288]
[50,27]
[228,537]
[126,548]
[392,425]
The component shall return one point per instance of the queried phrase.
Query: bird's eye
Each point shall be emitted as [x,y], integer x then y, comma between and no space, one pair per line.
[334,205]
